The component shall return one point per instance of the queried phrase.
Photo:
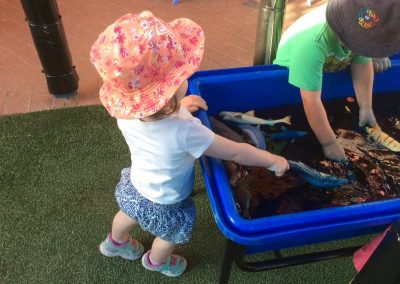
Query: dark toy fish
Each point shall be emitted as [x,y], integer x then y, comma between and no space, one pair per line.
[316,178]
[225,131]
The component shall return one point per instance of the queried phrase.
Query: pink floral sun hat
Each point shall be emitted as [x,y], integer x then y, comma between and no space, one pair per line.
[143,61]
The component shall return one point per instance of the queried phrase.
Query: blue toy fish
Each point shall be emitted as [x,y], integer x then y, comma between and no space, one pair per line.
[318,179]
[288,134]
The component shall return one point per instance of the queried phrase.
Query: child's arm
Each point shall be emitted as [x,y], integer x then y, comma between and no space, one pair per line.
[246,154]
[318,120]
[363,78]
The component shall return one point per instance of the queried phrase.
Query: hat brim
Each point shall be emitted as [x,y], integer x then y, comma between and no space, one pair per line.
[121,104]
[353,35]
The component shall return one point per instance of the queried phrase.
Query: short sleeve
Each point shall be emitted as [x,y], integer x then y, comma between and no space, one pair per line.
[361,59]
[306,66]
[198,138]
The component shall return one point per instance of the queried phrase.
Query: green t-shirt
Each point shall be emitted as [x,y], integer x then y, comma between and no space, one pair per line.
[309,47]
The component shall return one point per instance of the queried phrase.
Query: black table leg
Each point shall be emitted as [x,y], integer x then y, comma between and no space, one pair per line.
[230,251]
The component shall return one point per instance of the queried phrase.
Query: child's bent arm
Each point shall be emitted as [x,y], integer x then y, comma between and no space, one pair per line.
[318,120]
[246,154]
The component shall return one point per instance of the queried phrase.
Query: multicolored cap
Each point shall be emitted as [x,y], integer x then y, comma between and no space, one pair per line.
[367,27]
[143,61]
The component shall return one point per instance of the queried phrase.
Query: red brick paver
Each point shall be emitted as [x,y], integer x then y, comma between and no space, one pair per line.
[229,26]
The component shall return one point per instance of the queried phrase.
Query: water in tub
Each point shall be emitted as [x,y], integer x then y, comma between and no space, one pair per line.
[374,167]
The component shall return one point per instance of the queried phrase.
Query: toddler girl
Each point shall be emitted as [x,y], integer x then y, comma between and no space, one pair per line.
[144,63]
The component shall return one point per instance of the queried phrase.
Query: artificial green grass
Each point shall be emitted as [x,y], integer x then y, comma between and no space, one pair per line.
[58,171]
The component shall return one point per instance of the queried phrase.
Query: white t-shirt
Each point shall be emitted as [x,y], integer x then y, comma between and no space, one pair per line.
[163,153]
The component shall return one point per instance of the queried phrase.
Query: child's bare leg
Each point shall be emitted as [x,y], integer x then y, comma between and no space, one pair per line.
[160,250]
[119,243]
[121,227]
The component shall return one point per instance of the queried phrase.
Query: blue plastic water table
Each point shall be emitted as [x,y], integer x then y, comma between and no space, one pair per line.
[242,89]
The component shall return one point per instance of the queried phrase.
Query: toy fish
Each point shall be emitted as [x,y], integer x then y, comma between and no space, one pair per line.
[382,138]
[318,179]
[288,134]
[225,131]
[255,135]
[249,118]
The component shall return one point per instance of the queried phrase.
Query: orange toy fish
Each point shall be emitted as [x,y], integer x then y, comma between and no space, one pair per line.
[382,138]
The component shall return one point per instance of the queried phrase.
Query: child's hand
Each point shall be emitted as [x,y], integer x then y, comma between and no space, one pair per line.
[381,64]
[192,103]
[366,117]
[334,152]
[279,165]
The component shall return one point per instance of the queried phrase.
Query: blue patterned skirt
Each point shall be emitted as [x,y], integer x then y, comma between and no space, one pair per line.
[171,222]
